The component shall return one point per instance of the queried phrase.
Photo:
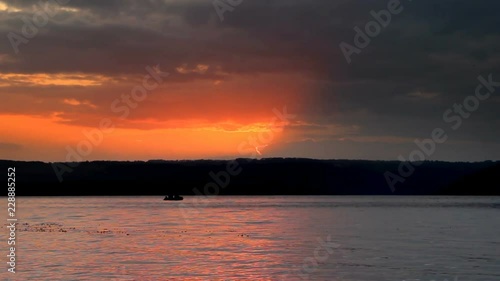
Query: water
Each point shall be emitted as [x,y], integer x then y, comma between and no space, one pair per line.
[258,238]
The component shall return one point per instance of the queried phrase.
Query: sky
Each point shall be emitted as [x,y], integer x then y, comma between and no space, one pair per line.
[191,79]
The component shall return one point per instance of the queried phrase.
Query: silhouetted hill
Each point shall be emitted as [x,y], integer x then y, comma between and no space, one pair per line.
[484,182]
[276,176]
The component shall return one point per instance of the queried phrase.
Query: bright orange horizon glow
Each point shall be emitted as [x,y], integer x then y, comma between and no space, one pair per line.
[49,139]
[47,117]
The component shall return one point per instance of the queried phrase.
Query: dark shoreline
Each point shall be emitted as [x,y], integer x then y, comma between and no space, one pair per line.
[274,176]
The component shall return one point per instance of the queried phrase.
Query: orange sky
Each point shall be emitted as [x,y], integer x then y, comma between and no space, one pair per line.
[52,115]
[82,64]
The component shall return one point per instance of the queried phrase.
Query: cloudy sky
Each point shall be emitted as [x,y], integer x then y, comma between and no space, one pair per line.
[232,70]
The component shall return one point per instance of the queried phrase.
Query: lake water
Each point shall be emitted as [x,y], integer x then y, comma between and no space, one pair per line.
[258,238]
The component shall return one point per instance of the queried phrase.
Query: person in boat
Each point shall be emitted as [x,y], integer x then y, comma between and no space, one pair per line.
[173,197]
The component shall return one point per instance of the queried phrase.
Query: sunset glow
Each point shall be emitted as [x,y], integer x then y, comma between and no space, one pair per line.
[177,80]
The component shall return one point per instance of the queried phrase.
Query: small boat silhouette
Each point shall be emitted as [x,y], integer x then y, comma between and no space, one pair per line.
[173,197]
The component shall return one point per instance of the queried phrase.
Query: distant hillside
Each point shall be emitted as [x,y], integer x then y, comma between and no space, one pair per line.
[274,176]
[484,182]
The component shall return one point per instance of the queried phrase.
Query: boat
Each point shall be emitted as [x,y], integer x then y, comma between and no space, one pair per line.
[173,197]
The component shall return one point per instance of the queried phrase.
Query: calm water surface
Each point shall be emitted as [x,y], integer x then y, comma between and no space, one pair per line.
[258,238]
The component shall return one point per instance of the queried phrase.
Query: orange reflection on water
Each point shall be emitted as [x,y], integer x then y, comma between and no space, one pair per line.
[143,241]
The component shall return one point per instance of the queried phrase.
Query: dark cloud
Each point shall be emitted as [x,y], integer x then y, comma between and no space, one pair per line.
[433,48]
